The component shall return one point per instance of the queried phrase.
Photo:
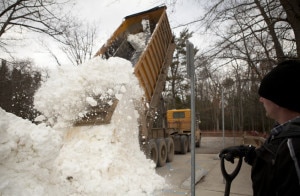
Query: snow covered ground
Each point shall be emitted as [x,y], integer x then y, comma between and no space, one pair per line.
[54,158]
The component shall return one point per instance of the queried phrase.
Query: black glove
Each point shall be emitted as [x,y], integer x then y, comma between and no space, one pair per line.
[233,152]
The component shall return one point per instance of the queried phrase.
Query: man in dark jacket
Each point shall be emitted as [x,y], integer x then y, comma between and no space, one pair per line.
[276,164]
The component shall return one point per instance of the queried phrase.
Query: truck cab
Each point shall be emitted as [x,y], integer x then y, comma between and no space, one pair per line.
[179,120]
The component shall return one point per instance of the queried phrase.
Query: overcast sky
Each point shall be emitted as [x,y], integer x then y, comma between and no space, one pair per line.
[111,12]
[109,15]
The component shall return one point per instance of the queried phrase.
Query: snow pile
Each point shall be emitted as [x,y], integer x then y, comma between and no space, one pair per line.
[83,160]
[27,154]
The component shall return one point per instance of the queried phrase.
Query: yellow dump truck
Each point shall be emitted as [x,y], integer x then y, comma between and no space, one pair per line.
[179,126]
[151,68]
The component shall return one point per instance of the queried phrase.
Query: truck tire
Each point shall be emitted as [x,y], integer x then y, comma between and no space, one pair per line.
[153,152]
[162,152]
[189,143]
[198,143]
[184,144]
[170,148]
[177,143]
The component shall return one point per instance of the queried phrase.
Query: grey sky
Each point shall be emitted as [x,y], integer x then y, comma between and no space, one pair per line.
[109,15]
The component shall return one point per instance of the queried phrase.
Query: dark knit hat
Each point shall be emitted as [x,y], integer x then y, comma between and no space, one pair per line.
[282,85]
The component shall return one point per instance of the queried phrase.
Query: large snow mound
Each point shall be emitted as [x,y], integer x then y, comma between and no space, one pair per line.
[82,160]
[27,155]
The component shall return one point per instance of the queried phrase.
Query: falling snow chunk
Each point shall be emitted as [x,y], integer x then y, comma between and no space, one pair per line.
[119,96]
[91,101]
[123,89]
[40,118]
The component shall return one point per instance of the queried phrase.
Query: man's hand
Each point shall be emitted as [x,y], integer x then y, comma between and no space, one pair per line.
[233,152]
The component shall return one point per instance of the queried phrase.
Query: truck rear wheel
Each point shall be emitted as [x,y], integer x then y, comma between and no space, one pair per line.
[153,152]
[189,143]
[170,148]
[198,143]
[184,144]
[162,152]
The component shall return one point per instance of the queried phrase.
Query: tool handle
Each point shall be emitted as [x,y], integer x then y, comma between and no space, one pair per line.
[229,177]
[227,188]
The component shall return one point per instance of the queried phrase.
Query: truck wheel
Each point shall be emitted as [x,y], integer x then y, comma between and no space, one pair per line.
[198,143]
[170,148]
[183,144]
[189,143]
[177,143]
[162,152]
[153,153]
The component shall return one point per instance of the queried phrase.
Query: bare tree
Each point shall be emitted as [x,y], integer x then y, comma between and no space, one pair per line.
[78,42]
[280,28]
[248,38]
[42,16]
[292,9]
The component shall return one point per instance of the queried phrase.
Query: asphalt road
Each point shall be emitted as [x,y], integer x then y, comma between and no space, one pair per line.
[207,164]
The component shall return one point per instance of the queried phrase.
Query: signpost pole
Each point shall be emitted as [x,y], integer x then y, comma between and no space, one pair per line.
[191,74]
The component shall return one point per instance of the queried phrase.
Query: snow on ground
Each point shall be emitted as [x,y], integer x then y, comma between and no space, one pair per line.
[83,160]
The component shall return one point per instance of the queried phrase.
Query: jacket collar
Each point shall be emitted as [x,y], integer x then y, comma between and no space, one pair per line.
[289,129]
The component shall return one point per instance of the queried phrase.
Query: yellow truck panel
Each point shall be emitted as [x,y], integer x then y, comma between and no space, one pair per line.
[179,119]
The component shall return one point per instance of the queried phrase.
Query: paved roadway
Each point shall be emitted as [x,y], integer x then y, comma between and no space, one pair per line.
[178,172]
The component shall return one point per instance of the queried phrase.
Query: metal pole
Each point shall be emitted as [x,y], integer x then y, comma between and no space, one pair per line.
[223,124]
[191,73]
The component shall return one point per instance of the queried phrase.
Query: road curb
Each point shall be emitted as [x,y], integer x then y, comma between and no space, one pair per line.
[199,174]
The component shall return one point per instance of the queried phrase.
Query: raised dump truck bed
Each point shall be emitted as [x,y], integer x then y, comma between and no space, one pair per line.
[151,56]
[151,64]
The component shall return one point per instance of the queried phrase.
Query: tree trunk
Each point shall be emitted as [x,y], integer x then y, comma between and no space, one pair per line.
[292,9]
[277,45]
